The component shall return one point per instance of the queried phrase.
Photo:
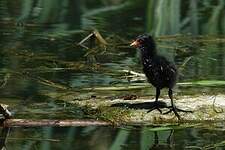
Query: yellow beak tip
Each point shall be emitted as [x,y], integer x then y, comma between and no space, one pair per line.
[134,43]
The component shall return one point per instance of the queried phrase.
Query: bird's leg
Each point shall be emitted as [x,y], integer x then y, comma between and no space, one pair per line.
[173,107]
[156,104]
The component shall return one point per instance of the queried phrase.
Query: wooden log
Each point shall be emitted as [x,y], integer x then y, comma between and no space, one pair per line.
[49,122]
[8,122]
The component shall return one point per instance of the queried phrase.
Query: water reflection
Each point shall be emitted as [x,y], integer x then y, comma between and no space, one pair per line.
[145,138]
[160,145]
[3,136]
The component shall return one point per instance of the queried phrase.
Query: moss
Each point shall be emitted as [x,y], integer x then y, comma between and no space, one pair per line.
[114,115]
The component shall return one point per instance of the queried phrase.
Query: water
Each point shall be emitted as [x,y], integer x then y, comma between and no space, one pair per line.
[39,55]
[113,138]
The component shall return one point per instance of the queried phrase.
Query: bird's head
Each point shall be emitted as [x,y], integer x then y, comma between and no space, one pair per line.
[144,42]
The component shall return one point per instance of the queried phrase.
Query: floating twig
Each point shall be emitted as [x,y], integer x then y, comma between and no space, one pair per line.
[95,35]
[49,122]
[34,139]
[134,73]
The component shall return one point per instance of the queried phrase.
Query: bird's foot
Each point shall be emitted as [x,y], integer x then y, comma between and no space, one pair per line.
[157,105]
[176,110]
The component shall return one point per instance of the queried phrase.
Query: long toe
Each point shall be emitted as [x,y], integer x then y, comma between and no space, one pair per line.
[176,113]
[169,111]
[173,109]
[176,110]
[157,106]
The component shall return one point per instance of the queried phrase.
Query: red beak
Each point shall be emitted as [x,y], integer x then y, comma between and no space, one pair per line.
[135,44]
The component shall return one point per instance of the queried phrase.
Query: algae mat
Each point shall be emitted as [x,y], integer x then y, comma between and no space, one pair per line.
[133,109]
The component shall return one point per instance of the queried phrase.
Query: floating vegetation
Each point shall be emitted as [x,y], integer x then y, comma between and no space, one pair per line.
[117,116]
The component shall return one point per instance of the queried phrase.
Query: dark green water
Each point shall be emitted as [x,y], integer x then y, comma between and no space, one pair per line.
[39,44]
[97,138]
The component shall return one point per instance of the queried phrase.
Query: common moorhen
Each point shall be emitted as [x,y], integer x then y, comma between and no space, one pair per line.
[160,72]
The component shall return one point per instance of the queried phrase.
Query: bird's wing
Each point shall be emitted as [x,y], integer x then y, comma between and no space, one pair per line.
[168,70]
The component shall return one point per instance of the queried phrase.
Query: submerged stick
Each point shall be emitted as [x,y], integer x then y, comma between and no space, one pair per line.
[8,122]
[49,122]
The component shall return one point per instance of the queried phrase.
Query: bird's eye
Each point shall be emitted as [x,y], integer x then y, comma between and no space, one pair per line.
[140,41]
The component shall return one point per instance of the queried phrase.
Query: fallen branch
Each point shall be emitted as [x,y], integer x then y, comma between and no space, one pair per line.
[49,122]
[8,122]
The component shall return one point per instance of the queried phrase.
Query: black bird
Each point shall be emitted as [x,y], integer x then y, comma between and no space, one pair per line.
[160,72]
